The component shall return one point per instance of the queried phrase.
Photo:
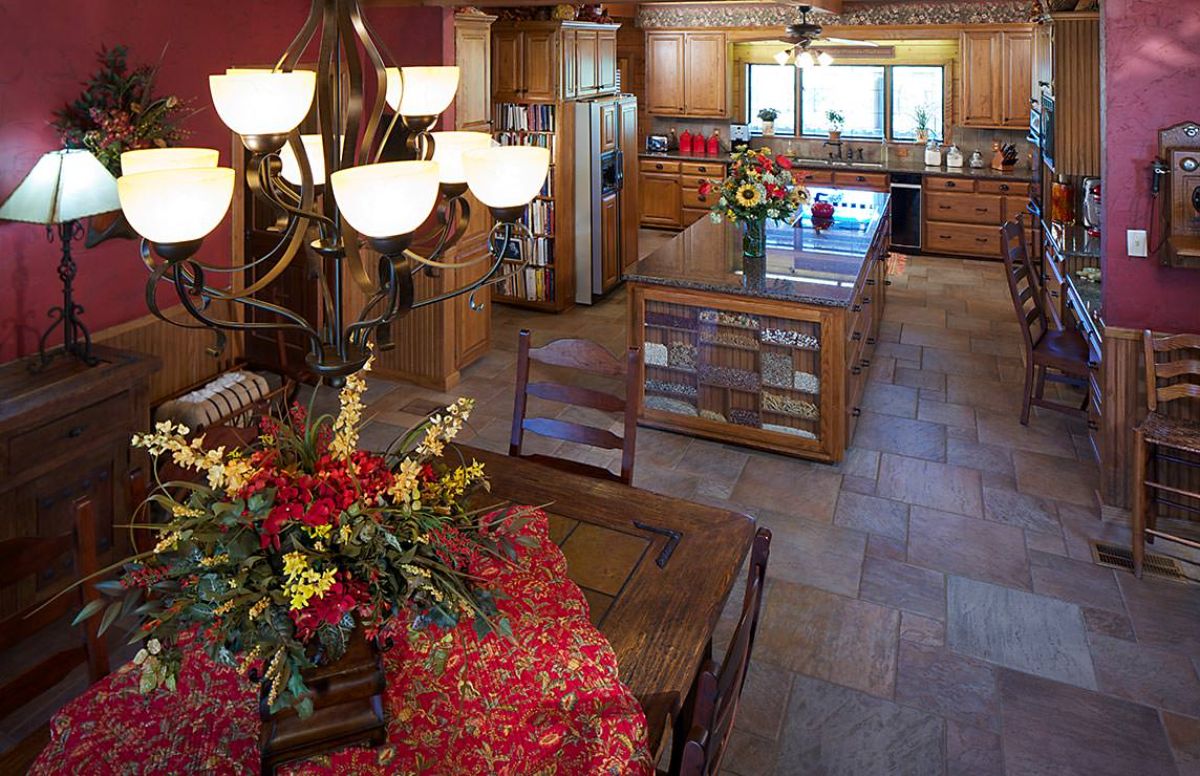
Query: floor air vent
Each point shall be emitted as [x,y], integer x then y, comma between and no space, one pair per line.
[1120,557]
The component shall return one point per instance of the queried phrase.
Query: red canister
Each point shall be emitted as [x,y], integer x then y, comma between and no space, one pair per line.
[714,143]
[685,142]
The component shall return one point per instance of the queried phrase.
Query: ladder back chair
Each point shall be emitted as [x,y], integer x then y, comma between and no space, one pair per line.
[1046,348]
[718,690]
[584,356]
[25,556]
[1172,377]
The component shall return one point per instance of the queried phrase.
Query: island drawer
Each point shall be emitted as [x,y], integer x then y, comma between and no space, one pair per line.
[814,176]
[871,181]
[659,165]
[969,239]
[704,169]
[964,208]
[939,182]
[1009,188]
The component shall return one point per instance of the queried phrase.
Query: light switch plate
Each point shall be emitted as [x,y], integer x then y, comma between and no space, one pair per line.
[1135,243]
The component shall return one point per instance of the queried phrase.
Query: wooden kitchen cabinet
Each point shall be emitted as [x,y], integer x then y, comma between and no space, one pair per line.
[544,61]
[473,54]
[627,129]
[586,58]
[997,68]
[687,74]
[963,216]
[671,195]
[538,50]
[661,202]
[610,253]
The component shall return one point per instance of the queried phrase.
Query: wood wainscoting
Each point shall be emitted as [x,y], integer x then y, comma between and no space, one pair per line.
[186,354]
[1124,383]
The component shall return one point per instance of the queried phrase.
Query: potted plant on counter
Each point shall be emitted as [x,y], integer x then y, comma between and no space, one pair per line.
[836,120]
[768,116]
[923,118]
[759,186]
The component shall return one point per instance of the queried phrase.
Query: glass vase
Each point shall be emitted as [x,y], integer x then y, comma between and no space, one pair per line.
[754,238]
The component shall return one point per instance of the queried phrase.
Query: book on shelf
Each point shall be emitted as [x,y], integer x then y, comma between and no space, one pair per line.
[518,117]
[539,218]
[533,284]
[527,139]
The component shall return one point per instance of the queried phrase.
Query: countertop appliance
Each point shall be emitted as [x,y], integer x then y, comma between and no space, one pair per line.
[906,210]
[606,214]
[739,137]
[1091,203]
[657,144]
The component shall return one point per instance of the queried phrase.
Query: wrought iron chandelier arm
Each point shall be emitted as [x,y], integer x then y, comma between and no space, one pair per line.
[454,216]
[488,277]
[261,180]
[398,290]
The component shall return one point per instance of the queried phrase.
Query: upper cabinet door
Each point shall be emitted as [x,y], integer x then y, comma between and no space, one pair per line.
[664,73]
[705,75]
[472,54]
[1017,53]
[539,67]
[586,50]
[570,62]
[506,66]
[981,74]
[606,61]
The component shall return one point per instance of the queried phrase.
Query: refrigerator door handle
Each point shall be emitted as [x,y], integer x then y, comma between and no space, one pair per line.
[620,169]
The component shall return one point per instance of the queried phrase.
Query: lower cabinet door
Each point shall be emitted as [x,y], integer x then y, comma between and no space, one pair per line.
[660,197]
[610,242]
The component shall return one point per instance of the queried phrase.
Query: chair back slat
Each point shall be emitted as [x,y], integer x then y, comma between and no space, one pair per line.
[581,354]
[1172,367]
[591,358]
[580,397]
[718,691]
[1022,286]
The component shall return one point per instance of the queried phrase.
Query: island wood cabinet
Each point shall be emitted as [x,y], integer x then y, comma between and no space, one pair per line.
[687,74]
[997,74]
[535,61]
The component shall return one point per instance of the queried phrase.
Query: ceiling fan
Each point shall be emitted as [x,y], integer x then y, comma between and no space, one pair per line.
[802,35]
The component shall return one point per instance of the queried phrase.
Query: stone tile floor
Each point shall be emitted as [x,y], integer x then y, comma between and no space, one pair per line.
[932,606]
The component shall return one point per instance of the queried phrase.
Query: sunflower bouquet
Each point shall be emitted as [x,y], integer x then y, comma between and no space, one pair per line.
[759,187]
[283,549]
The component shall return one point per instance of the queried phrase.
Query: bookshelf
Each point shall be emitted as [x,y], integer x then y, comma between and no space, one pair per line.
[548,282]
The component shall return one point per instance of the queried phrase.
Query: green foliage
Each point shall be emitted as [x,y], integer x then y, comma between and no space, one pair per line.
[768,114]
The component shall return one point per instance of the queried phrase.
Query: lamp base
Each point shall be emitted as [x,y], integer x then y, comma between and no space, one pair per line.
[77,340]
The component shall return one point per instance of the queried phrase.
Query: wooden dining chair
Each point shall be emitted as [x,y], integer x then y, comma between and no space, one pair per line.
[1172,375]
[584,356]
[27,556]
[1046,347]
[718,690]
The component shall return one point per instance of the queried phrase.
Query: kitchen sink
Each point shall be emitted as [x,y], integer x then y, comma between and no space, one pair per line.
[837,163]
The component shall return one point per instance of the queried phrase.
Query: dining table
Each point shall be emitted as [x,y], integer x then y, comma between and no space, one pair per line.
[651,572]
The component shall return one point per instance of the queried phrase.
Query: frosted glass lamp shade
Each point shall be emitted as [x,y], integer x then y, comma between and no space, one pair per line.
[151,159]
[176,206]
[423,91]
[62,186]
[263,102]
[386,200]
[805,59]
[448,150]
[824,59]
[506,176]
[782,57]
[315,150]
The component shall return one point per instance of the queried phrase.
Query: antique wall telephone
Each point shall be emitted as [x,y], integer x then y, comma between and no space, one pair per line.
[1177,169]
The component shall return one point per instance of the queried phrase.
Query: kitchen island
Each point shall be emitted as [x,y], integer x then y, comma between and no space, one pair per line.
[770,353]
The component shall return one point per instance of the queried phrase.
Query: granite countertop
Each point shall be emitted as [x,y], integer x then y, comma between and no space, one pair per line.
[913,164]
[1073,241]
[803,264]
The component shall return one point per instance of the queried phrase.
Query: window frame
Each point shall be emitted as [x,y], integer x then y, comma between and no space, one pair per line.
[888,103]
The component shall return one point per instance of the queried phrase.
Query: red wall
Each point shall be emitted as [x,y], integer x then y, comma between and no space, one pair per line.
[49,47]
[1151,81]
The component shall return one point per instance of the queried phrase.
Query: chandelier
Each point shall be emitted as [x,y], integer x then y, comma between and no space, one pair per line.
[334,193]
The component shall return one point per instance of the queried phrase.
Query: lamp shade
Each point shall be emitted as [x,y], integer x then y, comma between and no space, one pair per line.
[172,206]
[824,59]
[805,59]
[151,159]
[386,200]
[63,186]
[506,176]
[263,102]
[448,149]
[422,91]
[314,148]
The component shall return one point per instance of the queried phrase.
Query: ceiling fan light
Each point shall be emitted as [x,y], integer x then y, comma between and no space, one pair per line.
[448,150]
[262,102]
[824,59]
[151,159]
[805,59]
[506,176]
[421,91]
[783,56]
[176,205]
[388,199]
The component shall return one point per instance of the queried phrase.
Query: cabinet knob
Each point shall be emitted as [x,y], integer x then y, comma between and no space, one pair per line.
[981,210]
[887,282]
[855,370]
[865,362]
[1004,187]
[870,340]
[856,308]
[857,411]
[943,207]
[702,169]
[981,239]
[658,166]
[856,336]
[702,198]
[870,281]
[860,178]
[944,237]
[951,185]
[76,431]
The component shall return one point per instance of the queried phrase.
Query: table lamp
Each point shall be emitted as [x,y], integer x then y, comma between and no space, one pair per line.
[63,187]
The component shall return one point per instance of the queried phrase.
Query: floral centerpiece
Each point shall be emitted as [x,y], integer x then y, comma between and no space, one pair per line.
[290,545]
[759,186]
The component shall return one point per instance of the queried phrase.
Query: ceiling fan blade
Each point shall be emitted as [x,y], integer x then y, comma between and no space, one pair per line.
[849,42]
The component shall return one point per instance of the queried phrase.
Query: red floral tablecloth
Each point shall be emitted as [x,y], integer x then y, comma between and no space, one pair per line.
[548,702]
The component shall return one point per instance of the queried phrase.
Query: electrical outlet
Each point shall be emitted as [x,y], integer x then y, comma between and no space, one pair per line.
[1135,243]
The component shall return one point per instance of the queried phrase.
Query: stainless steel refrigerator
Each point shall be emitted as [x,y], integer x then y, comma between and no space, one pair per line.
[606,193]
